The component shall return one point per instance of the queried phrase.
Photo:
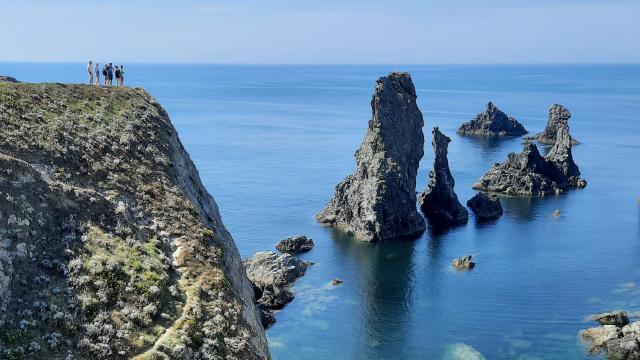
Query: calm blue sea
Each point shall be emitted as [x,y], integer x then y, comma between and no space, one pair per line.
[271,142]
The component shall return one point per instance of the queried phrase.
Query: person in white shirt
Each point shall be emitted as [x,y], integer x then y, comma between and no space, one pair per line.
[97,74]
[90,70]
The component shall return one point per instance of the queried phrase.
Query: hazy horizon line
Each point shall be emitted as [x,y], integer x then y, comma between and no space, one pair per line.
[327,63]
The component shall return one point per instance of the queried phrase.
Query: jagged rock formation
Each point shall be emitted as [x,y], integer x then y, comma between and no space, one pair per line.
[617,318]
[271,275]
[295,244]
[485,206]
[558,118]
[439,202]
[528,173]
[110,246]
[378,201]
[616,336]
[4,78]
[492,122]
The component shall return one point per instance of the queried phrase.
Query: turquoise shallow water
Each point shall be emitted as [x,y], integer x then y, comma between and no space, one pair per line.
[271,142]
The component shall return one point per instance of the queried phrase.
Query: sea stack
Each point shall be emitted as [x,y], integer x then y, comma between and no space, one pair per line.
[529,173]
[439,202]
[378,201]
[492,122]
[558,117]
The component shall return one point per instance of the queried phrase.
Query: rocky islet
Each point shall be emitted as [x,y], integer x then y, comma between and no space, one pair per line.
[492,122]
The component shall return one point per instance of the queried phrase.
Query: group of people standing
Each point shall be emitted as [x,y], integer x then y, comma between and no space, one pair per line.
[108,71]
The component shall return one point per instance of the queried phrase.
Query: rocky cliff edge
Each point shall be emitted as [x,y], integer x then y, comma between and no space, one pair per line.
[110,246]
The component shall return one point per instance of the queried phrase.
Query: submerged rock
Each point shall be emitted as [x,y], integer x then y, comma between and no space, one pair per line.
[378,201]
[558,117]
[295,245]
[4,78]
[528,173]
[463,263]
[617,318]
[463,352]
[492,122]
[439,202]
[271,275]
[485,206]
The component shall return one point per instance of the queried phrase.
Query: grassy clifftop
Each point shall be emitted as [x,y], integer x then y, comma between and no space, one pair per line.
[110,247]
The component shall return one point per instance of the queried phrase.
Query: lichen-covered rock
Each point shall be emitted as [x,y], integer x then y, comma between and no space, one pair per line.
[463,263]
[485,206]
[378,201]
[110,246]
[529,173]
[558,117]
[599,336]
[624,348]
[439,201]
[617,318]
[295,245]
[492,122]
[271,275]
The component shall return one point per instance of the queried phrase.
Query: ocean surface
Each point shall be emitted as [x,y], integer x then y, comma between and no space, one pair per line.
[271,143]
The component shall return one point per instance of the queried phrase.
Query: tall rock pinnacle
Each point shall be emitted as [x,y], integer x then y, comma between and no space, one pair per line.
[439,202]
[378,201]
[558,117]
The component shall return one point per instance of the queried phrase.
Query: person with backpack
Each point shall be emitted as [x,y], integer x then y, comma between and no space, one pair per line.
[110,73]
[90,70]
[97,72]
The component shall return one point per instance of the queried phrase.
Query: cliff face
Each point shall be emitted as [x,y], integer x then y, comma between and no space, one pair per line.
[378,201]
[110,246]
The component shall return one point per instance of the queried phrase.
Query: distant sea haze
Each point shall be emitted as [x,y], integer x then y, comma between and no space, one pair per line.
[271,143]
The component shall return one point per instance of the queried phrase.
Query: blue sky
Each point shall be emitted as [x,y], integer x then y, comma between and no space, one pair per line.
[327,31]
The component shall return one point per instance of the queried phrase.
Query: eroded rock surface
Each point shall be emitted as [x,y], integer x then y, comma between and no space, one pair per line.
[485,206]
[271,275]
[439,201]
[110,246]
[558,118]
[295,245]
[378,201]
[617,318]
[492,122]
[529,173]
[4,78]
